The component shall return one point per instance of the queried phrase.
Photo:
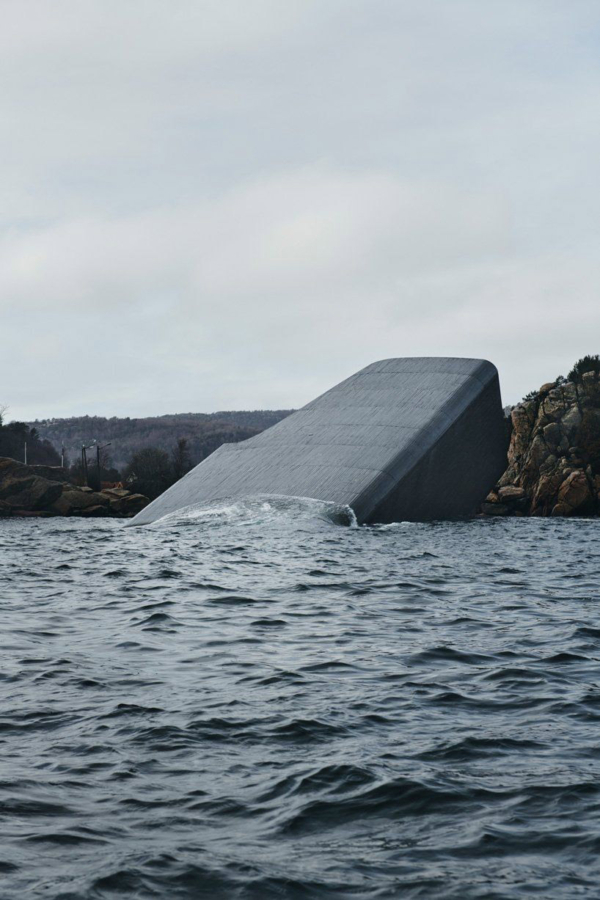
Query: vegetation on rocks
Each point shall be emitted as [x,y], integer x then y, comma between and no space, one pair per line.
[583,366]
[554,452]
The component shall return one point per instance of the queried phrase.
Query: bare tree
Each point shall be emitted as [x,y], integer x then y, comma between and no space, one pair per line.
[181,458]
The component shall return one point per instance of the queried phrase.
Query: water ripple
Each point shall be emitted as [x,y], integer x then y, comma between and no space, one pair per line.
[256,701]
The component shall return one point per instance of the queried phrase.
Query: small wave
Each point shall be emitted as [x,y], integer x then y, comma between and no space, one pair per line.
[6,867]
[587,631]
[157,620]
[232,600]
[283,708]
[261,509]
[66,838]
[131,709]
[332,779]
[479,748]
[443,654]
[307,731]
[392,526]
[394,798]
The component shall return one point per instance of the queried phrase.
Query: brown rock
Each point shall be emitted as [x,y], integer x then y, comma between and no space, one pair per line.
[511,492]
[8,467]
[73,500]
[94,512]
[11,469]
[51,473]
[571,421]
[130,505]
[549,463]
[495,509]
[552,434]
[538,452]
[575,495]
[546,489]
[32,493]
[42,489]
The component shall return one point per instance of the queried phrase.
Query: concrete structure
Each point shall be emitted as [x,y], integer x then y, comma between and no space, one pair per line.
[403,439]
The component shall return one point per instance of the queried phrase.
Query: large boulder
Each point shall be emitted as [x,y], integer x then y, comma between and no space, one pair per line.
[12,469]
[129,505]
[73,501]
[98,511]
[26,491]
[575,496]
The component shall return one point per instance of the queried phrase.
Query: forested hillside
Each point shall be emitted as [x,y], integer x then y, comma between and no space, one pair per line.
[205,432]
[16,435]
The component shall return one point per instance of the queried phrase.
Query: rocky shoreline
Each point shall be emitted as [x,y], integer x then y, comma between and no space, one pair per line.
[44,491]
[554,453]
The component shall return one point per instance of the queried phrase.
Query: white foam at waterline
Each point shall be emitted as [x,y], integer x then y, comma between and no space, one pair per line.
[250,510]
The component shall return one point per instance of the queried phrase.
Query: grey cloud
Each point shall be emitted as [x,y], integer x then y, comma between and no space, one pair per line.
[218,204]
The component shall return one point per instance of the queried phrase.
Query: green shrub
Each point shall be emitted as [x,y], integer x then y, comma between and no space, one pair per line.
[583,365]
[530,396]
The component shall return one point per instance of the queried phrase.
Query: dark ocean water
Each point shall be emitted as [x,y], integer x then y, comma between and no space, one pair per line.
[257,701]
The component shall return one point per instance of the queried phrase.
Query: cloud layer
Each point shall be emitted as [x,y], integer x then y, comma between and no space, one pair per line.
[212,205]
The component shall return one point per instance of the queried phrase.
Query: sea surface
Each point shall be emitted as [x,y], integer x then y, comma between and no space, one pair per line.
[261,700]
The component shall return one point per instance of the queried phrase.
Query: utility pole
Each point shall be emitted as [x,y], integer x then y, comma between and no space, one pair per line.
[25,453]
[98,449]
[62,457]
[84,463]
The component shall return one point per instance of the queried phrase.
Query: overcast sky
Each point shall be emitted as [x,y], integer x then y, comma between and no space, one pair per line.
[234,204]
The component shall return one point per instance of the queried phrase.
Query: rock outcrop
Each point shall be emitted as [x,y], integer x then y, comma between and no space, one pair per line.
[43,491]
[554,453]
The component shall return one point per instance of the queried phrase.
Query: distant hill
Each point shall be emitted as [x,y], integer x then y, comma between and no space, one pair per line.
[205,432]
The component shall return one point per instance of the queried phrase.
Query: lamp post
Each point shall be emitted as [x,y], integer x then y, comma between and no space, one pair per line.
[84,464]
[98,449]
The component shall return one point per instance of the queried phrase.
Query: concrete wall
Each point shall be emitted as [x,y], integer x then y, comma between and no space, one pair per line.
[403,439]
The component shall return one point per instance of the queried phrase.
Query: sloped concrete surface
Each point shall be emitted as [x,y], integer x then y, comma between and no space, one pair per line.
[403,439]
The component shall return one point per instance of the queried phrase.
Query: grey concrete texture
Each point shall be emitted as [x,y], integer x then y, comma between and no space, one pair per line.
[412,439]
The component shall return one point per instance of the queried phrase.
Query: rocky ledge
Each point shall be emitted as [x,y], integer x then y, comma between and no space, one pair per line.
[44,491]
[554,453]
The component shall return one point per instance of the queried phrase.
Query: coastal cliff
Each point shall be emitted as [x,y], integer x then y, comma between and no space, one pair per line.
[42,491]
[554,453]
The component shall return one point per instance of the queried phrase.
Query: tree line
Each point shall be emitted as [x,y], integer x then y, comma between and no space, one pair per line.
[204,432]
[145,455]
[15,436]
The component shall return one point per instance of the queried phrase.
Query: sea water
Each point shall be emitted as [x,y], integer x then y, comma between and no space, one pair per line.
[259,700]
